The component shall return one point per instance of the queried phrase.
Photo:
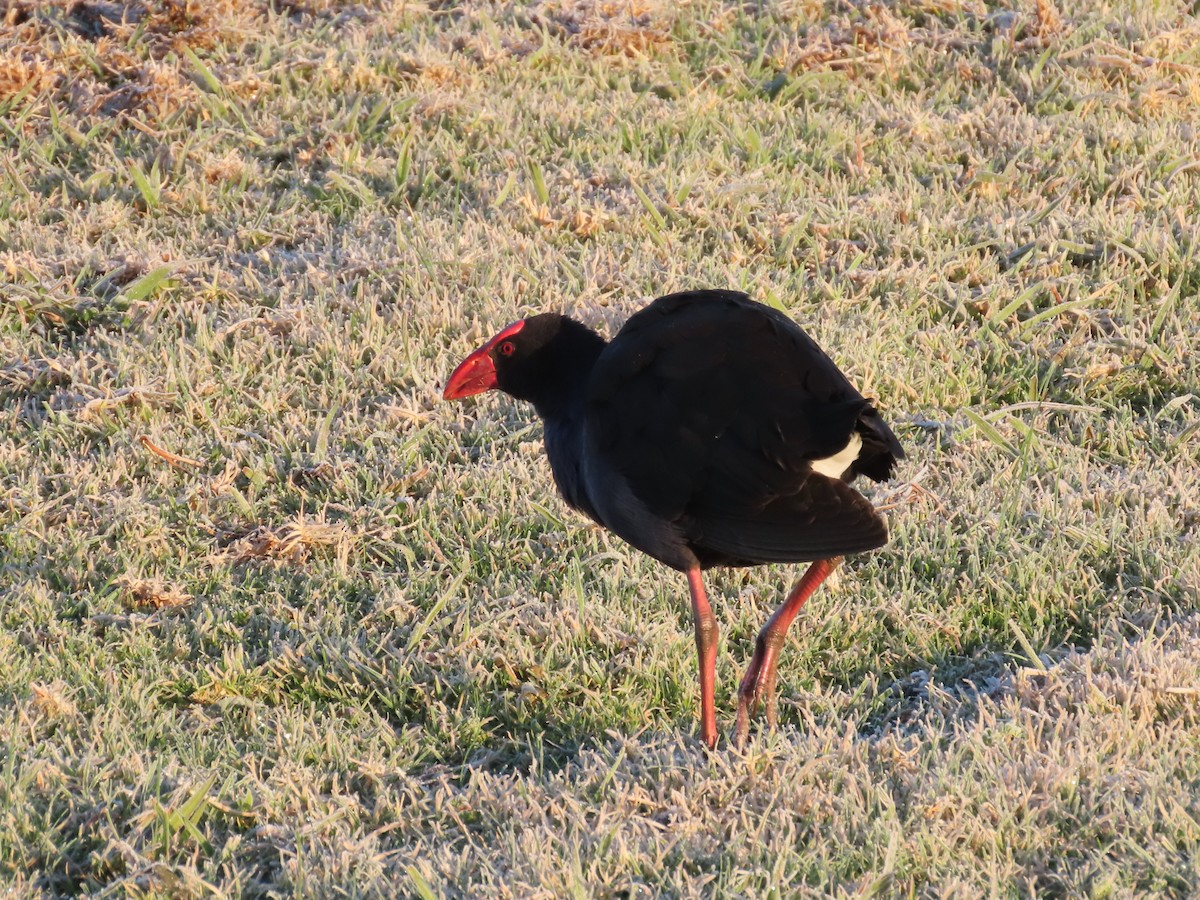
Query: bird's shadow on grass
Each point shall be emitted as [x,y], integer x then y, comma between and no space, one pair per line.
[950,686]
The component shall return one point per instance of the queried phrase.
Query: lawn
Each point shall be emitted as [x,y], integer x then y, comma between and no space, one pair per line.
[275,620]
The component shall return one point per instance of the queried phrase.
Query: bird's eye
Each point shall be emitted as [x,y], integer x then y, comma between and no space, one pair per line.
[508,348]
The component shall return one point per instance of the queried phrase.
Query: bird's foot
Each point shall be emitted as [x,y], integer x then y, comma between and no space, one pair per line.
[741,727]
[757,688]
[750,696]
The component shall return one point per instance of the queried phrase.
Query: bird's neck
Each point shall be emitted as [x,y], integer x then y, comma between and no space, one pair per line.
[562,386]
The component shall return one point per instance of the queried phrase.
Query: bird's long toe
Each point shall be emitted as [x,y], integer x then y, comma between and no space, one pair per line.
[772,710]
[750,694]
[741,727]
[747,709]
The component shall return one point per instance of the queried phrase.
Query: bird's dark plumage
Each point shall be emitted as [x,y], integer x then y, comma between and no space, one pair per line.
[710,431]
[712,408]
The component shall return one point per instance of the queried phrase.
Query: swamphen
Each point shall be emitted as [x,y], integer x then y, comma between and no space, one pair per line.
[711,431]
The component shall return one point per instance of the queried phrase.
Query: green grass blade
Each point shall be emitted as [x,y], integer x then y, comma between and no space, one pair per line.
[151,193]
[539,182]
[650,207]
[423,888]
[404,162]
[147,284]
[989,431]
[1002,314]
[506,190]
[206,74]
[434,611]
[1051,312]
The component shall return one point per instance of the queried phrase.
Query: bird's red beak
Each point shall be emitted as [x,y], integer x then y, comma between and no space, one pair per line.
[474,375]
[477,373]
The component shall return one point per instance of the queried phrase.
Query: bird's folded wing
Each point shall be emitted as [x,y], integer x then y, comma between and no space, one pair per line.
[825,517]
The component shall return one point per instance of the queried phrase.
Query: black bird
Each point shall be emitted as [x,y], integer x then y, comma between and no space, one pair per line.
[711,431]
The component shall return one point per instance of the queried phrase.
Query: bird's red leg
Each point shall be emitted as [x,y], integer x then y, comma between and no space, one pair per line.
[759,680]
[706,648]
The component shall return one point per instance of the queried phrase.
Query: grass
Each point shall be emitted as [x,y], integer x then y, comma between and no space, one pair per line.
[274,620]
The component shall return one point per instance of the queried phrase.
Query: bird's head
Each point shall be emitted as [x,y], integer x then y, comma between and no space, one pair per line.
[532,359]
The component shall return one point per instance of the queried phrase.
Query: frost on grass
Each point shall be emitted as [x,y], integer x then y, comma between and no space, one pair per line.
[404,659]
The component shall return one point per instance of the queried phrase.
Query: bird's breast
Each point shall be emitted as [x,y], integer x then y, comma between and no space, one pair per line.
[564,450]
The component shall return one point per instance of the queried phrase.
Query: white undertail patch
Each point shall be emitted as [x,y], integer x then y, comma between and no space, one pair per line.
[835,466]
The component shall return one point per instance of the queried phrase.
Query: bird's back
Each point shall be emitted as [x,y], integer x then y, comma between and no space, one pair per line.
[707,411]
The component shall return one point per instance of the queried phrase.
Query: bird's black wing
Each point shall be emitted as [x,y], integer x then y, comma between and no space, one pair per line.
[711,408]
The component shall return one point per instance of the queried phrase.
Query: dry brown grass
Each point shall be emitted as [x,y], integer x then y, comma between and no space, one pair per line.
[152,593]
[109,57]
[52,702]
[292,542]
[609,27]
[870,39]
